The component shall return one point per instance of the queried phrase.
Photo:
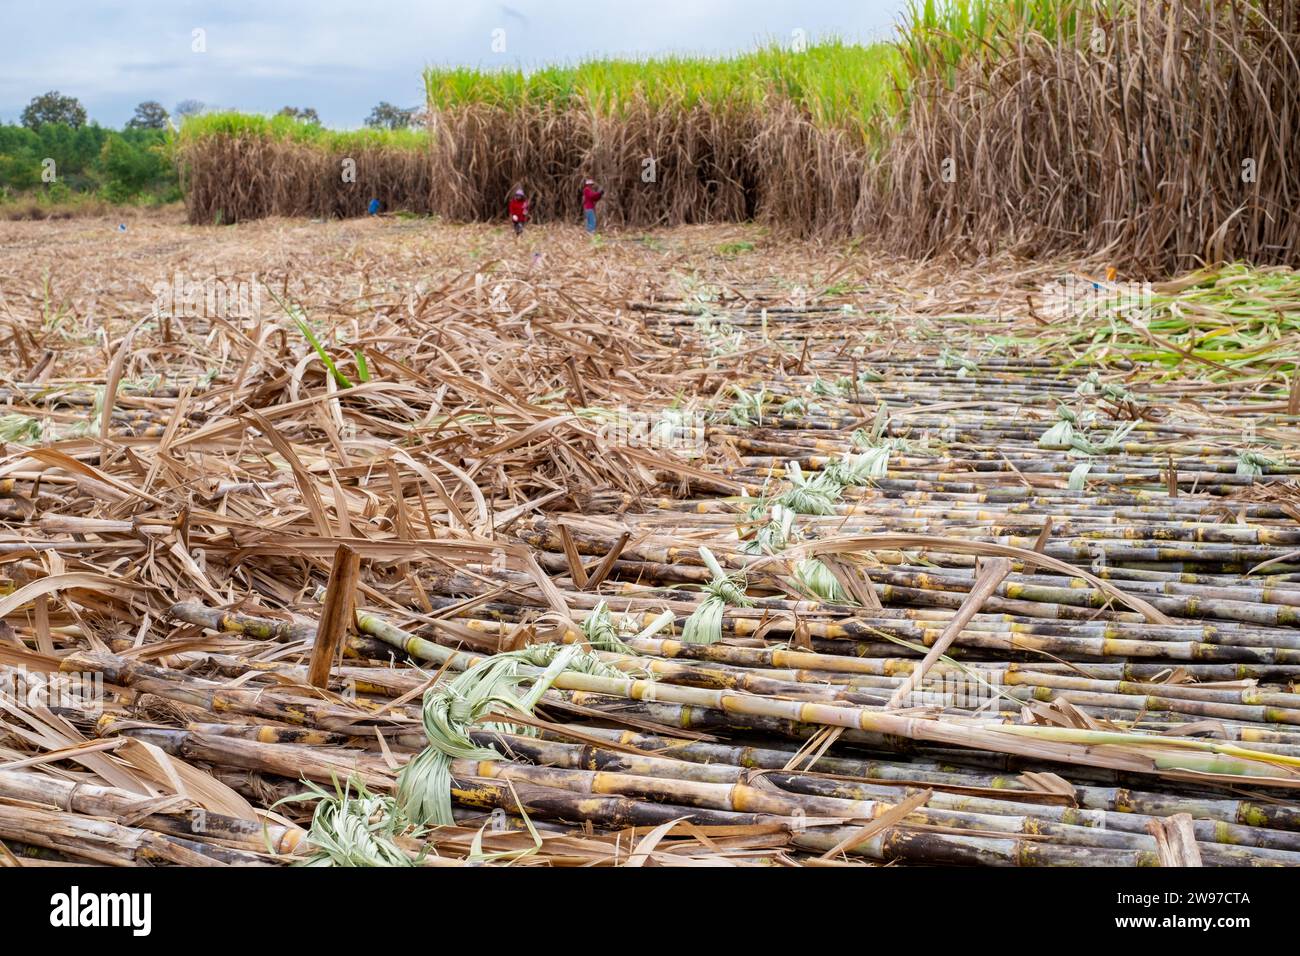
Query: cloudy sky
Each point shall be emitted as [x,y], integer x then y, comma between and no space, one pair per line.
[344,56]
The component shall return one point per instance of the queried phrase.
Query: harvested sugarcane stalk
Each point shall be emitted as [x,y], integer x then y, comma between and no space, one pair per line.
[622,567]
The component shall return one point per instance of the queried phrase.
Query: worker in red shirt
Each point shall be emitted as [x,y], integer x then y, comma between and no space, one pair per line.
[519,211]
[590,196]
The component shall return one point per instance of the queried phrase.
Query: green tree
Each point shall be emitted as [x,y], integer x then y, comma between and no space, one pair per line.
[388,116]
[128,166]
[303,114]
[75,152]
[133,163]
[148,115]
[186,108]
[20,158]
[54,107]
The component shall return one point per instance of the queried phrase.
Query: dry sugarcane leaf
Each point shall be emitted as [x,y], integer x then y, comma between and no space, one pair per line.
[63,582]
[58,459]
[114,379]
[890,818]
[62,741]
[1049,783]
[1175,840]
[877,542]
[185,780]
[306,483]
[645,847]
[7,858]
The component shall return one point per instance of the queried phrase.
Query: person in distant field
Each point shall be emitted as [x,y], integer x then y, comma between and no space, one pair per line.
[519,211]
[374,207]
[590,196]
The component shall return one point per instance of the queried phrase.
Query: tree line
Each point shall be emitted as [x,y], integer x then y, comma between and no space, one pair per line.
[55,151]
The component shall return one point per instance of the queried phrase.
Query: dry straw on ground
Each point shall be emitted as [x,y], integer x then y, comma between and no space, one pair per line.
[508,438]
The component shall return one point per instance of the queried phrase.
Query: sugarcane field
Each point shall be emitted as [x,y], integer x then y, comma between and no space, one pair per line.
[873,456]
